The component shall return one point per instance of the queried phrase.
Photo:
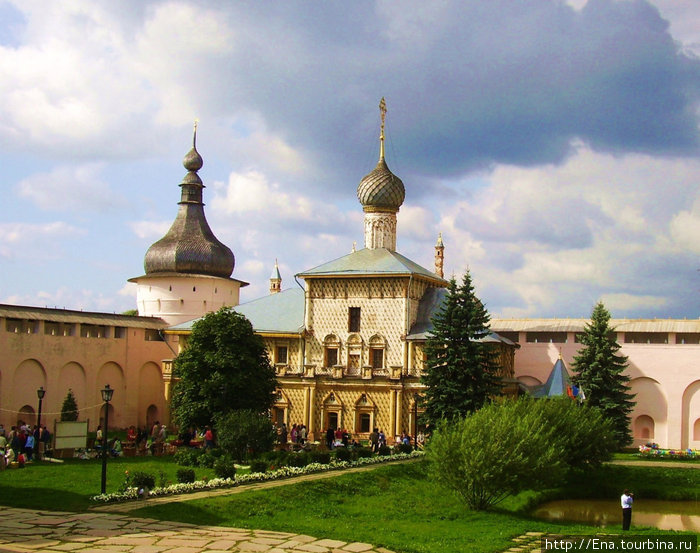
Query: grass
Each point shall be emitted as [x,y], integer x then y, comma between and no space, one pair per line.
[393,506]
[397,507]
[68,486]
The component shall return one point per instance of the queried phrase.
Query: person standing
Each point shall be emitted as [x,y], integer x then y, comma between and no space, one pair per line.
[626,501]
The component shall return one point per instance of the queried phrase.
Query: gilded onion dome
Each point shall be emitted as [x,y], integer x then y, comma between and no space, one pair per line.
[190,246]
[381,188]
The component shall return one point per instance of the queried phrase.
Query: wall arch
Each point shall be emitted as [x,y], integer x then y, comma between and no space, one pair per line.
[151,393]
[529,380]
[72,376]
[689,414]
[26,380]
[111,373]
[651,403]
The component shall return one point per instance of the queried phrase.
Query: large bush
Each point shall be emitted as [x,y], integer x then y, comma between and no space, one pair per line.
[510,446]
[245,434]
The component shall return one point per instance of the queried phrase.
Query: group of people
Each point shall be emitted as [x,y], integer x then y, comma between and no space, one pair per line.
[338,437]
[298,435]
[23,444]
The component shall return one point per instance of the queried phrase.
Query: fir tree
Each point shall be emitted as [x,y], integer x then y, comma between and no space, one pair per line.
[461,371]
[600,373]
[69,409]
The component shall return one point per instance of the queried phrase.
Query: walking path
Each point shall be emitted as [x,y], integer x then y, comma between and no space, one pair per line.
[28,531]
[669,464]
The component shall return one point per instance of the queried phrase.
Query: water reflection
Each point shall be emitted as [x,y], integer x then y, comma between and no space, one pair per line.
[665,515]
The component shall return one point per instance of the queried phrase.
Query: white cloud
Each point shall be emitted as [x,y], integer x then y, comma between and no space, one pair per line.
[251,192]
[71,188]
[149,229]
[685,228]
[630,302]
[28,240]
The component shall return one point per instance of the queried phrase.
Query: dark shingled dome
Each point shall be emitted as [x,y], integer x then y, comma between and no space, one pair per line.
[190,246]
[381,188]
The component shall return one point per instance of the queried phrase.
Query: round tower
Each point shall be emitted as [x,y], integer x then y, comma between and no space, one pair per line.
[188,270]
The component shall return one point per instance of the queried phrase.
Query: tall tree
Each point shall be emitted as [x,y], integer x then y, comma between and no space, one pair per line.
[461,370]
[600,369]
[69,409]
[224,368]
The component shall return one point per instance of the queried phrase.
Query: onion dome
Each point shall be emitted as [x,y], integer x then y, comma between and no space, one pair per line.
[190,246]
[381,188]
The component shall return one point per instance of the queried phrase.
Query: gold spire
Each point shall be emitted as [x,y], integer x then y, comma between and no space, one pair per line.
[382,112]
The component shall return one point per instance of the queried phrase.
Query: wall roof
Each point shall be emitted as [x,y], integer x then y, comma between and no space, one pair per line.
[85,317]
[578,325]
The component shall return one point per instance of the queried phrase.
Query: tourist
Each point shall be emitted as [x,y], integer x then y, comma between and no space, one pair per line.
[382,438]
[294,434]
[626,501]
[330,436]
[374,440]
[208,438]
[29,445]
[303,434]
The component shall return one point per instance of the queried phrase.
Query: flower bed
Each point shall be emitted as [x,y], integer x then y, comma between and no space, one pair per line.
[649,452]
[284,472]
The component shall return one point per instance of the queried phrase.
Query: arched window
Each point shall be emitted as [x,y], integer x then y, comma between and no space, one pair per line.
[331,351]
[377,349]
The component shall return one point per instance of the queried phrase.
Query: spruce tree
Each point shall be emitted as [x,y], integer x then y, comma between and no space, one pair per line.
[461,371]
[69,409]
[600,369]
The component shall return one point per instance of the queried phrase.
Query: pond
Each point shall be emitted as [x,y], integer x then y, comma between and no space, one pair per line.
[665,515]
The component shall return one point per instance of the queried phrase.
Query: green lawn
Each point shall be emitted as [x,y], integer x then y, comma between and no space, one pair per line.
[68,486]
[394,506]
[397,507]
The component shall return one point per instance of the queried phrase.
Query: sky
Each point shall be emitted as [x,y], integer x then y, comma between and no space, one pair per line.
[556,145]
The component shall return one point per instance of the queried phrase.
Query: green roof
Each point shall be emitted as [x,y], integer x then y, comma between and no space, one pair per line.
[281,313]
[374,262]
[276,313]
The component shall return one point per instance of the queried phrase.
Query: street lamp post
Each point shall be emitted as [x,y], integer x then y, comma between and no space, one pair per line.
[40,393]
[106,397]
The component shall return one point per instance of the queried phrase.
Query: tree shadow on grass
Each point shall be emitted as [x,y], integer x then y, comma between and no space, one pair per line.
[44,499]
[185,511]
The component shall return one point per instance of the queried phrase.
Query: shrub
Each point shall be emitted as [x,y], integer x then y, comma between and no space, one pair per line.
[187,457]
[405,448]
[300,459]
[206,460]
[259,466]
[384,450]
[245,434]
[278,458]
[510,446]
[364,452]
[323,457]
[343,454]
[185,476]
[224,468]
[143,480]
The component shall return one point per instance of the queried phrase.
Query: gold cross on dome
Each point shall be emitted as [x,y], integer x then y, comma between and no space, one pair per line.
[382,112]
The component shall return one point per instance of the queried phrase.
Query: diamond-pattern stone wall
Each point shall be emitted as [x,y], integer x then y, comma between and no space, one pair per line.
[382,306]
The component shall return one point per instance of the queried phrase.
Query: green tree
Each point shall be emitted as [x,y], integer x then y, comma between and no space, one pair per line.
[600,369]
[461,371]
[245,433]
[509,446]
[69,409]
[224,368]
